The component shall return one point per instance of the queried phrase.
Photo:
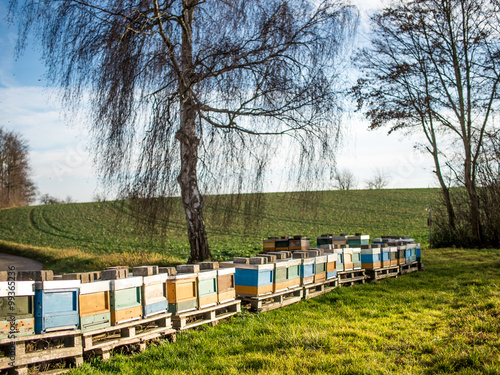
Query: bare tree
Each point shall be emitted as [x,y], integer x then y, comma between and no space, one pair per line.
[192,83]
[16,186]
[433,68]
[380,179]
[344,180]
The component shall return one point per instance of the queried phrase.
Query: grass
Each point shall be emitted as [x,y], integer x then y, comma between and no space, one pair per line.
[94,235]
[441,321]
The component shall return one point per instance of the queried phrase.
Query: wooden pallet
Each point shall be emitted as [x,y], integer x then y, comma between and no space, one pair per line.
[348,278]
[137,333]
[41,351]
[276,300]
[382,273]
[209,315]
[314,290]
[408,267]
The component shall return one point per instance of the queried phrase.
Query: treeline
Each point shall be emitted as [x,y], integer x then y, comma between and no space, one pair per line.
[16,187]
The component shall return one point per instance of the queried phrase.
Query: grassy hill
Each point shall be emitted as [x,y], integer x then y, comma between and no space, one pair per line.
[93,235]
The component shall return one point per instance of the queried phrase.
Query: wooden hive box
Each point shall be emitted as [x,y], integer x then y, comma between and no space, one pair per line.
[393,255]
[340,260]
[281,244]
[126,299]
[401,254]
[324,239]
[56,305]
[154,295]
[207,288]
[371,258]
[385,256]
[307,271]
[269,244]
[339,240]
[358,240]
[331,265]
[408,254]
[320,269]
[413,254]
[254,279]
[16,300]
[182,293]
[299,243]
[280,276]
[95,306]
[356,258]
[347,257]
[225,285]
[293,273]
[419,253]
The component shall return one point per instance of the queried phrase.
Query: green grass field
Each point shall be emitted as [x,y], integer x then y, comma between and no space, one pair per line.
[444,320]
[94,235]
[441,321]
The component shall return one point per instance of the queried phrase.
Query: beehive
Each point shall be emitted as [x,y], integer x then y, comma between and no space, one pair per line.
[358,240]
[20,307]
[385,256]
[419,253]
[401,254]
[347,257]
[298,243]
[320,269]
[340,259]
[126,299]
[207,288]
[393,255]
[225,285]
[94,304]
[324,239]
[182,293]
[282,244]
[280,276]
[339,240]
[307,271]
[253,279]
[408,254]
[371,258]
[413,254]
[269,244]
[331,265]
[154,295]
[356,258]
[293,273]
[56,305]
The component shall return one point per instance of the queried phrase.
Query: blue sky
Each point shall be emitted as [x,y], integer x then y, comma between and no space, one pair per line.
[62,164]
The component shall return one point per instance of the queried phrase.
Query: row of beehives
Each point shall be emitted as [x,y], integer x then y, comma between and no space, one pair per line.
[48,303]
[85,301]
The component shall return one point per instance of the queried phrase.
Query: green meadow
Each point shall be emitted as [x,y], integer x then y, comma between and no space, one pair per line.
[89,236]
[444,320]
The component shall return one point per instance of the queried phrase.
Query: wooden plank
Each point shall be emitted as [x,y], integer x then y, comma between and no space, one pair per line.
[383,273]
[210,315]
[348,278]
[275,300]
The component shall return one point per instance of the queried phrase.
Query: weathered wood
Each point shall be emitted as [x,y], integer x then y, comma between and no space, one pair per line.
[209,315]
[382,273]
[408,267]
[275,300]
[348,278]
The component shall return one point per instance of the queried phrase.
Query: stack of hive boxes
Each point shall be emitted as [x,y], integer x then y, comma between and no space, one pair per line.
[306,267]
[154,290]
[182,291]
[125,294]
[331,265]
[16,300]
[95,309]
[55,301]
[226,291]
[371,256]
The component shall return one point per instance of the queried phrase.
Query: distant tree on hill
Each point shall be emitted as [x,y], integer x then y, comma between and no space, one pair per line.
[49,199]
[380,179]
[344,180]
[190,96]
[16,186]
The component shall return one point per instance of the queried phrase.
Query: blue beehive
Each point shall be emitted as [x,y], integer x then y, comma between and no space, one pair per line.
[56,305]
[385,256]
[408,254]
[419,253]
[340,260]
[307,270]
[252,279]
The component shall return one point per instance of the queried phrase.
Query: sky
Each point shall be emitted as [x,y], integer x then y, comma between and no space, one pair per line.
[59,147]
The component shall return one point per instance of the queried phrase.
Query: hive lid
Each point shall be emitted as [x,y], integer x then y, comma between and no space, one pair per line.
[155,279]
[130,282]
[205,275]
[321,259]
[95,287]
[226,271]
[57,284]
[20,288]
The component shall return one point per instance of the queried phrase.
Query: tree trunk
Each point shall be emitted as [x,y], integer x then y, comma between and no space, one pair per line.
[192,199]
[474,216]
